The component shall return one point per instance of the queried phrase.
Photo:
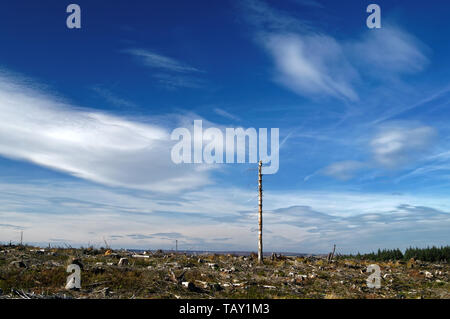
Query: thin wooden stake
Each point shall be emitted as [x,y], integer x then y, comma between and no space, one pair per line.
[331,255]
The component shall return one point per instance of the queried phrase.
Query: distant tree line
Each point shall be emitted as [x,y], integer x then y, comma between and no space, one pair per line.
[430,254]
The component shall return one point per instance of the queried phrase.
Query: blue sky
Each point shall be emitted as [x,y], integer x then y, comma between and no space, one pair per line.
[86,117]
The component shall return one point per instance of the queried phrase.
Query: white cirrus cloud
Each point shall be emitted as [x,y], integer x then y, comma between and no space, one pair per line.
[111,98]
[89,144]
[226,114]
[158,61]
[309,221]
[171,81]
[344,170]
[397,143]
[401,52]
[171,73]
[312,65]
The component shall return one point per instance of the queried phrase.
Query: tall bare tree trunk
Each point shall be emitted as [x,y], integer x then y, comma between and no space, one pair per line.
[260,244]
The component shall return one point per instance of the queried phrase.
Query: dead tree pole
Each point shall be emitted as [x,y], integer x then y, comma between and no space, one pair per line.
[21,238]
[260,221]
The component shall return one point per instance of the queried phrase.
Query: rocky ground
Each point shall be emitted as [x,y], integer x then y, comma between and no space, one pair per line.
[31,272]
